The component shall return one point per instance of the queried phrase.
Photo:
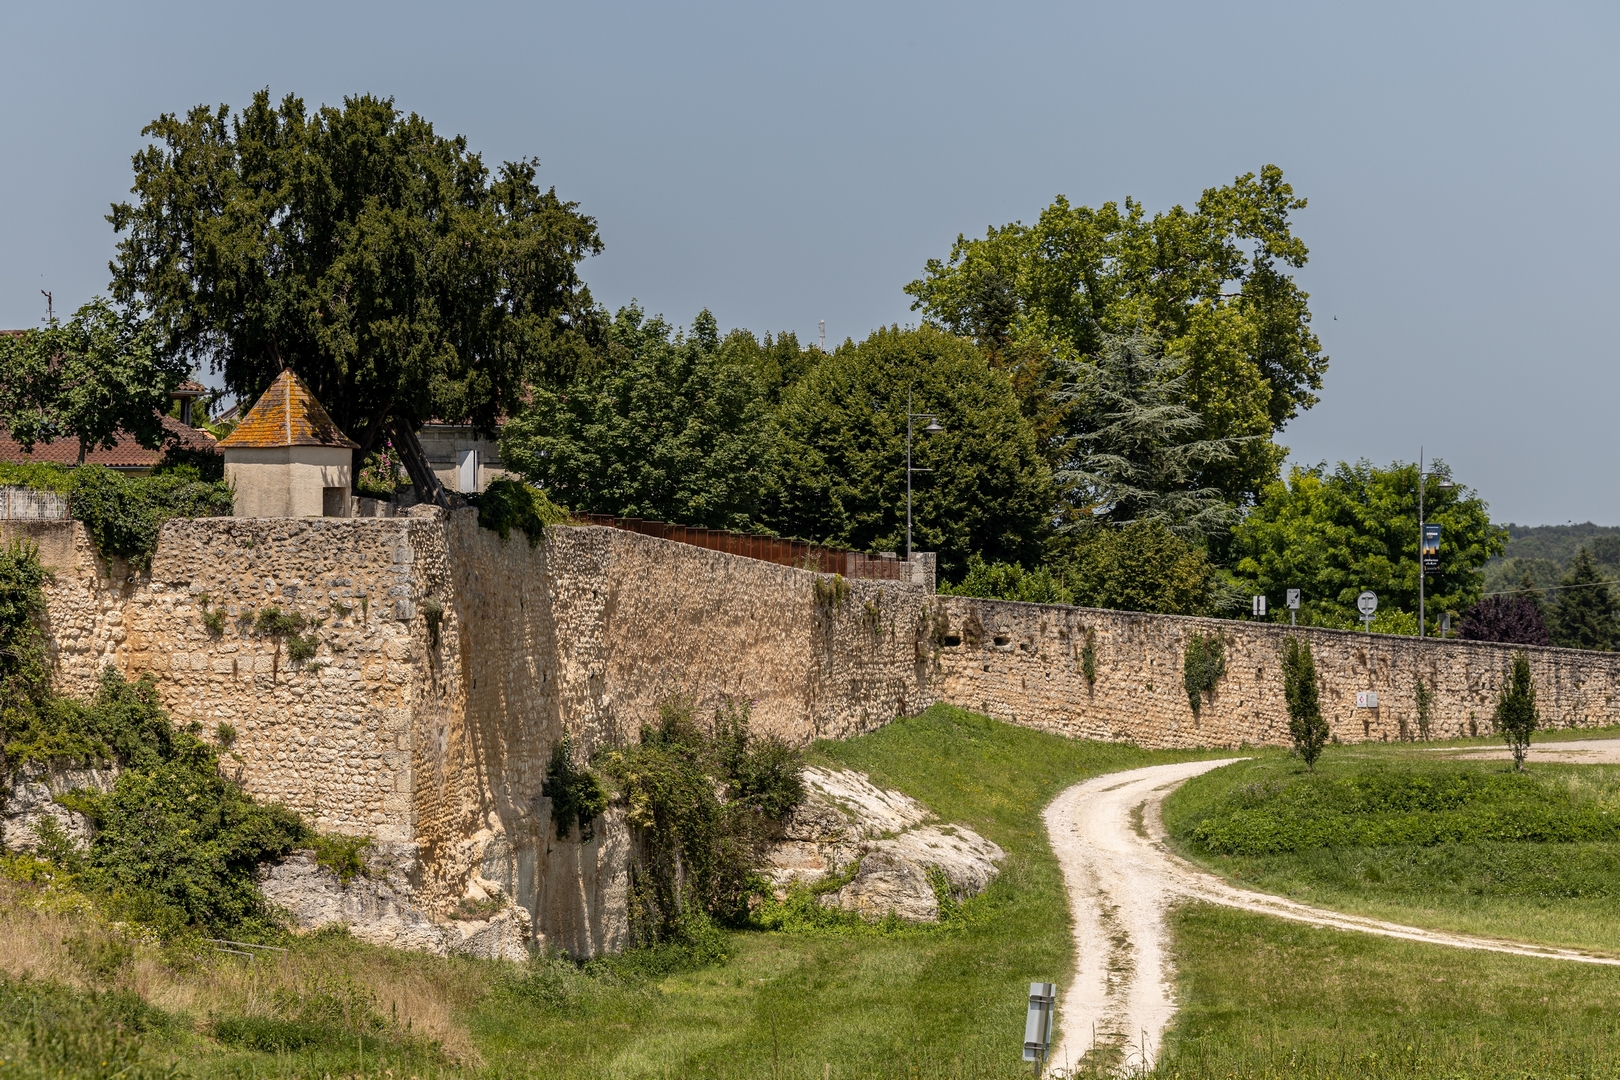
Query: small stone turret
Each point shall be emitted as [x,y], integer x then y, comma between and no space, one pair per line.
[286,458]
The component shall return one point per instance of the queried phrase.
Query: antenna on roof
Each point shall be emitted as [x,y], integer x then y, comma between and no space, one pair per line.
[50,312]
[823,325]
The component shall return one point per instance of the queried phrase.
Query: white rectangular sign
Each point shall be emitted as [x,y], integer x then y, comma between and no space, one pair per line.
[1366,699]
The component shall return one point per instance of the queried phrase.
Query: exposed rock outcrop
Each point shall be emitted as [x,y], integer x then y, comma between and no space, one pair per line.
[30,798]
[891,841]
[378,907]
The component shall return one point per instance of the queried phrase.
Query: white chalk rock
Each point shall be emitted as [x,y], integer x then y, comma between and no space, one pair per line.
[847,820]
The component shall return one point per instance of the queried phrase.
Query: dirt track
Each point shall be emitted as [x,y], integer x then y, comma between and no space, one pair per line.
[1122,878]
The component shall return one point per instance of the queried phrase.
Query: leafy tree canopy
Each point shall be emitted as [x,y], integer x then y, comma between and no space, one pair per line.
[1335,534]
[1513,619]
[1142,567]
[1582,614]
[1214,283]
[1138,453]
[99,374]
[843,453]
[674,428]
[381,261]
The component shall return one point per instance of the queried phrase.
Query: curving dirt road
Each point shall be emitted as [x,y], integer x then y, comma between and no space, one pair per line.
[1108,836]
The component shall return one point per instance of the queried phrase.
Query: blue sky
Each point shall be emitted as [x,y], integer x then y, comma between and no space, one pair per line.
[781,164]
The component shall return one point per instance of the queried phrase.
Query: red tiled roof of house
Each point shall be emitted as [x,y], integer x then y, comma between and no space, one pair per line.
[125,454]
[286,415]
[190,388]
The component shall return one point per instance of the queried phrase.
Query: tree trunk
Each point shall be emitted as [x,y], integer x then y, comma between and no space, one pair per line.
[428,488]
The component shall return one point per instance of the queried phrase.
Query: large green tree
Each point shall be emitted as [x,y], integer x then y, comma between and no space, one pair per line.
[1138,453]
[843,453]
[383,262]
[1214,283]
[674,428]
[1332,535]
[1582,615]
[96,376]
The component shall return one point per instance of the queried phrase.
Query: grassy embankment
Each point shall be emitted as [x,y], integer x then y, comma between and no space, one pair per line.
[1260,997]
[1413,836]
[1403,834]
[887,1001]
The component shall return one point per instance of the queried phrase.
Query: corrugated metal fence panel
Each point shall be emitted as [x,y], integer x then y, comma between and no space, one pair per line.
[826,560]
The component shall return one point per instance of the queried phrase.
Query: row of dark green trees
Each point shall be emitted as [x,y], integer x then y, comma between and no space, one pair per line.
[1110,382]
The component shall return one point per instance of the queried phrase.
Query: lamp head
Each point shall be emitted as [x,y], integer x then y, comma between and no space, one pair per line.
[933,426]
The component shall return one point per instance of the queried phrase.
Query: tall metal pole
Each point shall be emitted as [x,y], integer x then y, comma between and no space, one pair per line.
[908,476]
[1421,575]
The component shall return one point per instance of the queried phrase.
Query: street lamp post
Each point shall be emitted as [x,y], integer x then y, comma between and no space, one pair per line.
[933,426]
[1423,483]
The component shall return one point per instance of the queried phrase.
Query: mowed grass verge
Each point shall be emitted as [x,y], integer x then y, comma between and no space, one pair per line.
[82,997]
[1266,999]
[934,1002]
[1409,835]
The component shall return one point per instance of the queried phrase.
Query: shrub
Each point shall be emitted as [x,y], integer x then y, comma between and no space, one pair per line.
[1010,581]
[1088,659]
[288,626]
[703,802]
[1306,726]
[1425,708]
[510,504]
[343,855]
[577,797]
[124,514]
[1202,667]
[1516,715]
[1513,619]
[23,674]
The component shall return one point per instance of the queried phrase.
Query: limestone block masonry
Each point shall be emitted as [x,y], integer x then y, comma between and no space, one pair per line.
[450,663]
[1024,663]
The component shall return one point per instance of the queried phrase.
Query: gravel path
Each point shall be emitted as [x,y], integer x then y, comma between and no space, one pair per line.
[1109,838]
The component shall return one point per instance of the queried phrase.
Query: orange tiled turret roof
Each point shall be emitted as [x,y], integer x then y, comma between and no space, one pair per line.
[287,415]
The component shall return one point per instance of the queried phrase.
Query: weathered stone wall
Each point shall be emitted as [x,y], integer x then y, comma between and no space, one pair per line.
[451,663]
[1023,663]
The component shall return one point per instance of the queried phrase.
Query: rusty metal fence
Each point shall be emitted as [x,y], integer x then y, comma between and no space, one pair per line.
[826,560]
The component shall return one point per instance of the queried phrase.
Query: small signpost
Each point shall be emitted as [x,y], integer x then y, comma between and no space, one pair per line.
[1293,605]
[1445,624]
[1259,607]
[1038,1023]
[1367,603]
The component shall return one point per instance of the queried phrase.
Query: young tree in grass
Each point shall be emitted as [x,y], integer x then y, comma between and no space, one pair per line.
[1305,723]
[1516,716]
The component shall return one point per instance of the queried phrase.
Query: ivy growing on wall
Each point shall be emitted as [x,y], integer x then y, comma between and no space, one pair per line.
[577,797]
[1202,667]
[702,802]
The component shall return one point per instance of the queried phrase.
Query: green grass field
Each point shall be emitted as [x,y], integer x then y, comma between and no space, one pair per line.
[1263,998]
[930,1003]
[1408,835]
[881,1002]
[1260,997]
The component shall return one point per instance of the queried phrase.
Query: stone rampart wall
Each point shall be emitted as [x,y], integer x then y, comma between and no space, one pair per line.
[1023,663]
[450,664]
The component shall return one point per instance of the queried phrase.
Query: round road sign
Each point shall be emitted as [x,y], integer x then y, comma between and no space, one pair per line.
[1367,603]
